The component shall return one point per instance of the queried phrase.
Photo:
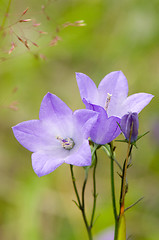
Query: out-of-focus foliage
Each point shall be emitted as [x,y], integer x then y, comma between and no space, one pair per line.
[119,35]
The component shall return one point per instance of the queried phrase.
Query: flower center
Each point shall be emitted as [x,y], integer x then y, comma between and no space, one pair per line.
[107,101]
[67,143]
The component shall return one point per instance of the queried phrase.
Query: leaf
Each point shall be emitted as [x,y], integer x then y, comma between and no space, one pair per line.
[140,136]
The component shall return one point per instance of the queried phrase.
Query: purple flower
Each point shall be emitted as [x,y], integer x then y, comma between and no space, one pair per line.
[126,123]
[105,129]
[60,136]
[111,94]
[111,101]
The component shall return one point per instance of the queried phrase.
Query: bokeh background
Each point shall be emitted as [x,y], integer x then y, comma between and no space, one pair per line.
[119,35]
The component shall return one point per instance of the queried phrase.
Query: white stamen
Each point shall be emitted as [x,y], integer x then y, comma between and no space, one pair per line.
[107,101]
[67,143]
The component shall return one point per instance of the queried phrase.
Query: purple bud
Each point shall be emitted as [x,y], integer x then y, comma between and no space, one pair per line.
[126,123]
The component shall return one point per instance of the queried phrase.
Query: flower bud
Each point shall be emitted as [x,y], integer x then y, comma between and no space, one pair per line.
[126,123]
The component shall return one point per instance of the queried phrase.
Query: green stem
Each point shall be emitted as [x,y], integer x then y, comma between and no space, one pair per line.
[81,205]
[113,192]
[74,185]
[94,191]
[83,189]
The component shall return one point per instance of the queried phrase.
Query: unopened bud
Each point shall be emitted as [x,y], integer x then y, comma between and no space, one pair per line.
[126,124]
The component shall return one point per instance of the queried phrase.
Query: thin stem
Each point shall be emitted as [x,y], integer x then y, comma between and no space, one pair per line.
[83,189]
[123,184]
[94,191]
[81,205]
[133,204]
[113,191]
[6,14]
[74,185]
[112,182]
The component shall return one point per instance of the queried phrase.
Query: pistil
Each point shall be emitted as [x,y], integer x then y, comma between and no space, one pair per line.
[107,101]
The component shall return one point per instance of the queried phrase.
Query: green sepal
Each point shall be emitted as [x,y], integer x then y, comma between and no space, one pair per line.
[107,150]
[93,150]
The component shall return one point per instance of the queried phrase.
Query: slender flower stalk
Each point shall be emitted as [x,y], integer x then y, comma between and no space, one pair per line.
[83,188]
[80,204]
[94,191]
[74,185]
[113,191]
[121,222]
[123,184]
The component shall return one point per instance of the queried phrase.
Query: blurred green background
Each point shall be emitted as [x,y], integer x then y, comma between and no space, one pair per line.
[119,35]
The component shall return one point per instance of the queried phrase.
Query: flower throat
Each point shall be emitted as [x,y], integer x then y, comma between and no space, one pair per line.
[67,143]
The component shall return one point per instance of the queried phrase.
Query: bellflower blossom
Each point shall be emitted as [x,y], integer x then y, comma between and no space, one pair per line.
[60,136]
[110,97]
[126,123]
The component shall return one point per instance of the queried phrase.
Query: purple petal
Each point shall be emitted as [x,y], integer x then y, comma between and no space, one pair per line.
[86,120]
[57,115]
[45,162]
[87,87]
[81,157]
[106,129]
[53,108]
[135,103]
[87,104]
[37,135]
[114,83]
[31,135]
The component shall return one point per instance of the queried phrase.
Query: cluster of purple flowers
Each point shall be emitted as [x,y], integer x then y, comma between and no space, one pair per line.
[62,136]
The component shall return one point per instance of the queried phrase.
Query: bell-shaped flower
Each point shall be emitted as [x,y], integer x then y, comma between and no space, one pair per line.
[111,96]
[59,136]
[129,121]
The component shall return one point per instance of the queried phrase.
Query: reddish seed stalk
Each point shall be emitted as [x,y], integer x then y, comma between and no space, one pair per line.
[123,188]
